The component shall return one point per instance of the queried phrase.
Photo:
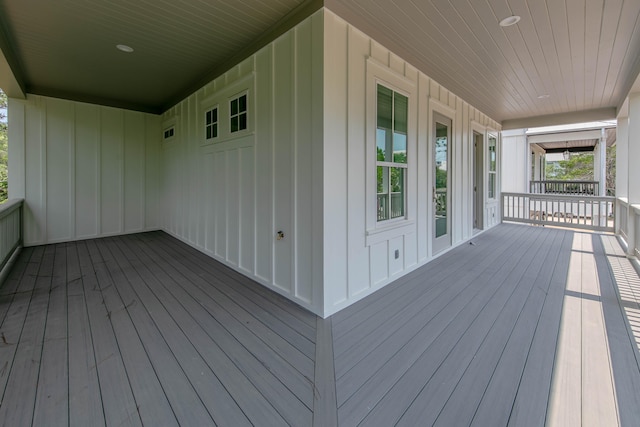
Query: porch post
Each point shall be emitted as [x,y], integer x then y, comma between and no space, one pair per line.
[633,172]
[622,165]
[602,165]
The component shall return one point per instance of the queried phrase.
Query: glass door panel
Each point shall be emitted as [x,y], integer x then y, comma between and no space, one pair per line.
[442,182]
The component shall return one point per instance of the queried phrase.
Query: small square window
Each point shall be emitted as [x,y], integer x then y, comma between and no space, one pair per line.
[238,114]
[211,123]
[169,133]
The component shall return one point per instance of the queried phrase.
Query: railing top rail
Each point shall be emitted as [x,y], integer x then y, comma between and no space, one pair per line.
[9,206]
[573,197]
[559,181]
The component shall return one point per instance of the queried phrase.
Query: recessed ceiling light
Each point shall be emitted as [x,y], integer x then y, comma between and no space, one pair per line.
[509,21]
[543,96]
[124,48]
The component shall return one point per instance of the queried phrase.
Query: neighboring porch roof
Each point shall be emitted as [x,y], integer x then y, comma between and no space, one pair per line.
[574,141]
[560,63]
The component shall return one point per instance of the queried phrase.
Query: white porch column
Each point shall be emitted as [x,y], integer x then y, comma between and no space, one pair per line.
[633,172]
[515,161]
[602,162]
[622,165]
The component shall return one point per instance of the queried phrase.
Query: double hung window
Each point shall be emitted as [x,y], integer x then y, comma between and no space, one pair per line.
[391,153]
[492,167]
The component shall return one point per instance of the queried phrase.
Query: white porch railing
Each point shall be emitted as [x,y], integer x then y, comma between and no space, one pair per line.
[590,188]
[629,225]
[585,212]
[10,231]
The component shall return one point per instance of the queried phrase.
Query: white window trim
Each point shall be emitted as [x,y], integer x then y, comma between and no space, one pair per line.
[481,129]
[204,112]
[222,100]
[496,190]
[377,73]
[230,116]
[439,107]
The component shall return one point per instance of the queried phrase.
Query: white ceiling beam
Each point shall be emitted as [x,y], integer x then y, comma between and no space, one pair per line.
[599,114]
[564,136]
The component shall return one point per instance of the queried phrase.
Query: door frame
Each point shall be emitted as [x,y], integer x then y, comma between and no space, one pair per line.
[477,184]
[437,108]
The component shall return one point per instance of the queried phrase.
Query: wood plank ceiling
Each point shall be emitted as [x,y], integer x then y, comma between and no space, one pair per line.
[565,58]
[68,48]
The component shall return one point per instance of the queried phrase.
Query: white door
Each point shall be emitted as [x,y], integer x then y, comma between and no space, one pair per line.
[441,191]
[478,174]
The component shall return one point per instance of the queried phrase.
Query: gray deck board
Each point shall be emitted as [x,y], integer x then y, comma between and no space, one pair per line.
[53,387]
[469,326]
[418,307]
[160,378]
[143,329]
[15,296]
[224,383]
[171,324]
[400,351]
[118,402]
[452,395]
[368,320]
[373,309]
[532,397]
[500,392]
[20,393]
[239,318]
[274,311]
[325,409]
[268,372]
[624,354]
[251,287]
[85,399]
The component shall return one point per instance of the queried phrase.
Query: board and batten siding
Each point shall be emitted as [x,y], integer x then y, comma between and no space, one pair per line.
[358,257]
[230,196]
[85,171]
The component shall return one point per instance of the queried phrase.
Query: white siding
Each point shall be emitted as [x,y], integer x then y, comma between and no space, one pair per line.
[229,198]
[515,162]
[356,263]
[84,171]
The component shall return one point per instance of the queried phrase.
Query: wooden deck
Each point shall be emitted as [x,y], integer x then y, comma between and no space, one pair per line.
[525,326]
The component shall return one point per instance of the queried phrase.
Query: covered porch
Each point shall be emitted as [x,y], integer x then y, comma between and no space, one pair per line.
[523,326]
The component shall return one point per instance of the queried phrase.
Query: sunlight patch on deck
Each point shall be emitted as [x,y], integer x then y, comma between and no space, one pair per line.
[583,390]
[628,283]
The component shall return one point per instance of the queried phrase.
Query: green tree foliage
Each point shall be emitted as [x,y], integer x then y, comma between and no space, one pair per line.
[441,178]
[611,171]
[580,166]
[3,148]
[397,174]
